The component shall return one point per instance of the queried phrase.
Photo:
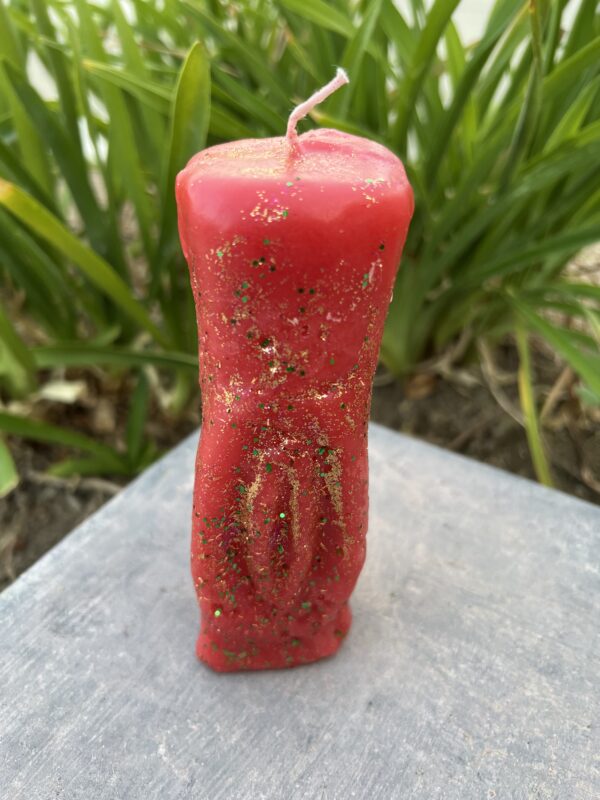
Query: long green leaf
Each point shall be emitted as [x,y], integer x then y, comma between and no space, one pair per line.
[85,354]
[67,153]
[322,14]
[528,407]
[136,420]
[17,367]
[43,432]
[151,93]
[437,19]
[588,368]
[189,125]
[9,477]
[45,225]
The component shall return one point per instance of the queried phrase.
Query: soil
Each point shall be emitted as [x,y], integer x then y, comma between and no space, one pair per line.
[471,411]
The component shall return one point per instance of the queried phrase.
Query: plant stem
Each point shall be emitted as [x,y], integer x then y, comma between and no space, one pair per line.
[526,395]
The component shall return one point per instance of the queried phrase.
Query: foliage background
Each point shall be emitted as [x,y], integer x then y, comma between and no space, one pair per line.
[501,141]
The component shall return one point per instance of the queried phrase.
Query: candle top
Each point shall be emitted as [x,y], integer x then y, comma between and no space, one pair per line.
[321,156]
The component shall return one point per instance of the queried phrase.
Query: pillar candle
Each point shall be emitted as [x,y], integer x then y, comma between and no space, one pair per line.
[293,244]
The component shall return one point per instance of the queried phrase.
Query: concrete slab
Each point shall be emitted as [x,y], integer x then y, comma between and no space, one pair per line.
[471,672]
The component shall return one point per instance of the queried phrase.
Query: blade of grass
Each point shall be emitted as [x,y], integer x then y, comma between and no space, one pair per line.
[17,366]
[56,59]
[530,415]
[9,477]
[528,118]
[247,57]
[189,125]
[321,14]
[252,105]
[30,145]
[123,146]
[15,169]
[83,354]
[15,425]
[502,17]
[152,94]
[98,272]
[82,467]
[136,420]
[68,156]
[561,341]
[153,123]
[425,51]
[353,57]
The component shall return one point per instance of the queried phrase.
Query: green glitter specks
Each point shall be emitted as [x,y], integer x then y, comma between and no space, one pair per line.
[220,254]
[282,515]
[265,343]
[266,242]
[245,298]
[268,467]
[306,604]
[218,612]
[284,213]
[365,280]
[332,361]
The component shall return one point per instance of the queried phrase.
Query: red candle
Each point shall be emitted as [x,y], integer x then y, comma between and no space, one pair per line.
[293,244]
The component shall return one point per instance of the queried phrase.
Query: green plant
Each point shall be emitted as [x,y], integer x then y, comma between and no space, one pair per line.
[501,140]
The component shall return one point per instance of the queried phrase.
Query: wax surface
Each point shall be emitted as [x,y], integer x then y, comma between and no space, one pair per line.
[293,250]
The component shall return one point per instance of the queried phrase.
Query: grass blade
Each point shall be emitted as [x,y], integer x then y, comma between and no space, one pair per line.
[189,125]
[69,158]
[321,14]
[84,354]
[15,425]
[17,367]
[136,420]
[9,477]
[587,367]
[530,415]
[425,51]
[98,272]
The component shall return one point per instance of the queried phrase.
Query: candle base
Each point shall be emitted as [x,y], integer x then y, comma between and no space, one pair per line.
[237,650]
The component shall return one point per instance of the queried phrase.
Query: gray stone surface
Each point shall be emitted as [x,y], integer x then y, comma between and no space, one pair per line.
[471,671]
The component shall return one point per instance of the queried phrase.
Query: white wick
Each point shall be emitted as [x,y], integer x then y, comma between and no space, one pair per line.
[307,106]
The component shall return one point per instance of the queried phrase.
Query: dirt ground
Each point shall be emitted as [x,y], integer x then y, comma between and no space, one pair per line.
[473,411]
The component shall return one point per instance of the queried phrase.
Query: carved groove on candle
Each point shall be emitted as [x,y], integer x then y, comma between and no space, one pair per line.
[279,559]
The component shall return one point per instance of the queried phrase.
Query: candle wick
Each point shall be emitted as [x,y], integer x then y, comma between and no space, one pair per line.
[307,106]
